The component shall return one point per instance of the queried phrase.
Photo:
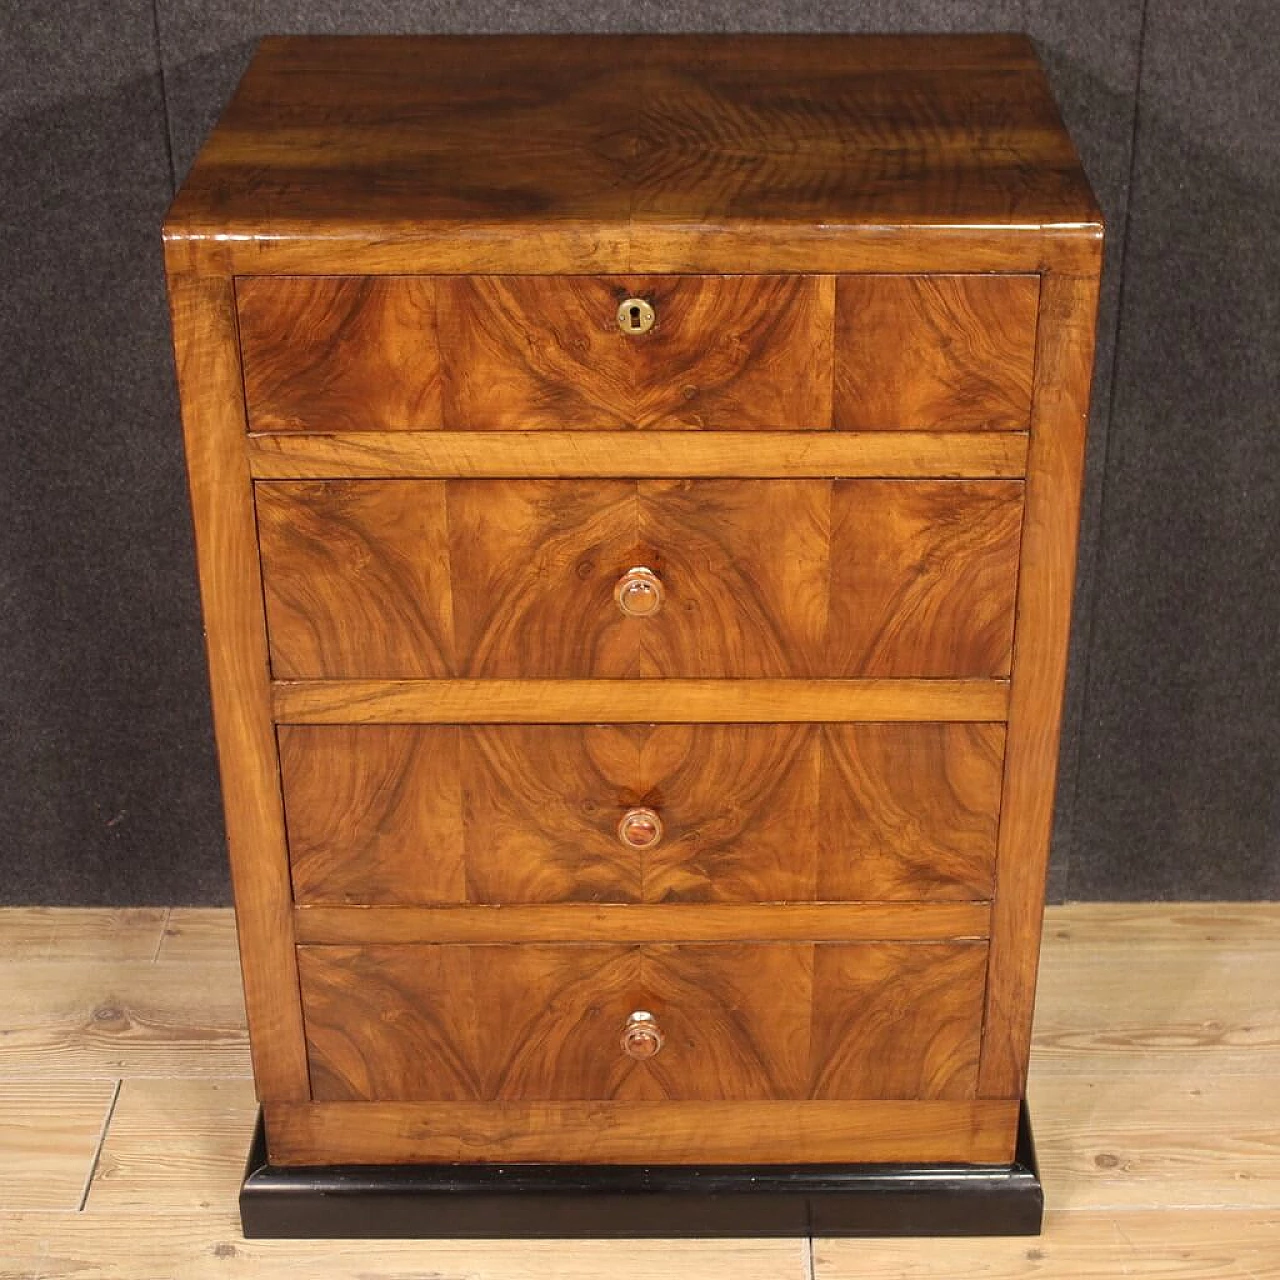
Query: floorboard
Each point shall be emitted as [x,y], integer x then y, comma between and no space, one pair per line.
[126,1107]
[49,1136]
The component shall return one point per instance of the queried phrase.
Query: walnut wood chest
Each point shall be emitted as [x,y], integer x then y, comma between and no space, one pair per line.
[635,485]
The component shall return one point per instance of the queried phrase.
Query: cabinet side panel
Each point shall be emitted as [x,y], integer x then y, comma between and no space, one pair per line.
[208,364]
[1068,307]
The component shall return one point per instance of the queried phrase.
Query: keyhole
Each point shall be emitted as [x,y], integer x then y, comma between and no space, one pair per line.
[635,316]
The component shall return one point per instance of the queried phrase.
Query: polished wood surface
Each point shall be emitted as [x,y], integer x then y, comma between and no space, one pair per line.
[209,378]
[746,568]
[951,353]
[1064,362]
[415,579]
[908,811]
[651,922]
[725,352]
[673,455]
[653,250]
[898,1020]
[307,365]
[376,813]
[541,1022]
[358,577]
[405,814]
[636,701]
[773,1131]
[849,480]
[535,353]
[921,577]
[403,353]
[579,153]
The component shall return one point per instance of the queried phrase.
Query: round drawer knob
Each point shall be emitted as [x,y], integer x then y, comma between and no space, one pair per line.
[636,316]
[641,1038]
[639,593]
[640,828]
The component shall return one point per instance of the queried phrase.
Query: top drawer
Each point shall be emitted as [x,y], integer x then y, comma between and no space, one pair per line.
[728,353]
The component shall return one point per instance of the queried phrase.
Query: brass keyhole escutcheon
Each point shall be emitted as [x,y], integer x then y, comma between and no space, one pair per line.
[636,316]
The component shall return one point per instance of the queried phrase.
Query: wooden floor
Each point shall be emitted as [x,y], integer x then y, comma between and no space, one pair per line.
[126,1105]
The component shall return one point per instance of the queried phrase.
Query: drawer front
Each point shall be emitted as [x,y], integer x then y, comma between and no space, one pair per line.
[405,579]
[448,814]
[536,352]
[729,1021]
[735,353]
[947,353]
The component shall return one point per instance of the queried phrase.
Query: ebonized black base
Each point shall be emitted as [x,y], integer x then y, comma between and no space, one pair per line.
[617,1201]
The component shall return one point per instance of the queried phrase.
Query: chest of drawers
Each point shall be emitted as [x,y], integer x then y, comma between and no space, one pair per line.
[635,484]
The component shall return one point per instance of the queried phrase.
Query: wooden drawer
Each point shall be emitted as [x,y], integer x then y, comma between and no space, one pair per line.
[535,352]
[443,814]
[535,1022]
[404,579]
[947,353]
[738,353]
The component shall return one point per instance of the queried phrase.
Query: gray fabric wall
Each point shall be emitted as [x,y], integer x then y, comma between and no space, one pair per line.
[1171,757]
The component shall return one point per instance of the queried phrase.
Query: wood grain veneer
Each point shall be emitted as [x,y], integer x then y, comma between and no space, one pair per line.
[953,353]
[736,352]
[535,353]
[317,349]
[1068,318]
[768,1132]
[635,701]
[912,921]
[656,154]
[422,455]
[416,579]
[759,454]
[405,814]
[501,353]
[208,367]
[541,1022]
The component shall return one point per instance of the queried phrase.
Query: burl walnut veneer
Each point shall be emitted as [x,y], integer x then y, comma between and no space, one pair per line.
[636,483]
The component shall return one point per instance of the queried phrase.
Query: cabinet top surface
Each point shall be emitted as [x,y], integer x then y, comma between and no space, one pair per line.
[617,136]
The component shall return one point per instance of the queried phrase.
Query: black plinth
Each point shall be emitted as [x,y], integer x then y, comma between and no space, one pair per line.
[615,1201]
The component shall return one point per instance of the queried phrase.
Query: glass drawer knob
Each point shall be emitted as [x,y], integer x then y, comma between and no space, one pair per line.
[640,828]
[639,593]
[641,1038]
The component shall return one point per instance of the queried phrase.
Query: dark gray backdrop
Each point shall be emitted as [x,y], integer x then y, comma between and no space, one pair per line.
[1170,760]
